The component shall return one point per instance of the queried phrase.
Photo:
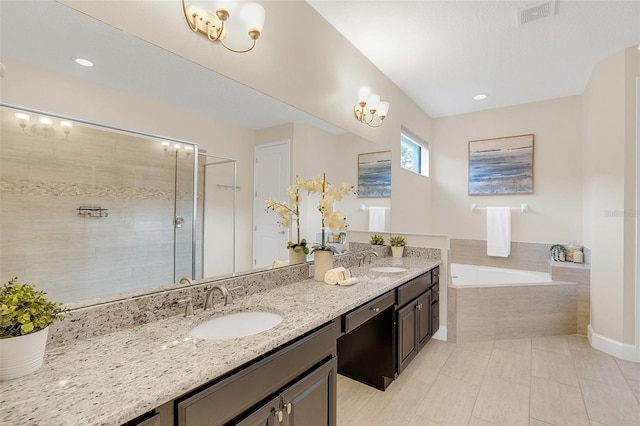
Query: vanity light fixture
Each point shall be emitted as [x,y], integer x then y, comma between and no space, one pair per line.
[370,110]
[44,127]
[215,27]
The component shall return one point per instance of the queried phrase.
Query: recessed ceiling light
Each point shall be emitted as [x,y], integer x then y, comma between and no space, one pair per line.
[480,96]
[84,62]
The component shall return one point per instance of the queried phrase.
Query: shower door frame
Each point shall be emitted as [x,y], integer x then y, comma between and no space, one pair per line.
[221,160]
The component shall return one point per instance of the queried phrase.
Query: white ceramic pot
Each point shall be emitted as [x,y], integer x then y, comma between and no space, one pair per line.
[323,261]
[397,251]
[296,257]
[22,355]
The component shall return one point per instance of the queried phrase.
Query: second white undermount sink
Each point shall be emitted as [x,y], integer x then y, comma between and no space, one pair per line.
[236,325]
[388,269]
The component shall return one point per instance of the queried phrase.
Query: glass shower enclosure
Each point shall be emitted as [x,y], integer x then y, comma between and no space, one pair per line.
[90,211]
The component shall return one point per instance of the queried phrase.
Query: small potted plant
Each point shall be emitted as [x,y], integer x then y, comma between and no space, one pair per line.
[377,240]
[397,245]
[25,316]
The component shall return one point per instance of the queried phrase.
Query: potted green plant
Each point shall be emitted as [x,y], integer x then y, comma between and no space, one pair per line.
[397,245]
[25,317]
[376,240]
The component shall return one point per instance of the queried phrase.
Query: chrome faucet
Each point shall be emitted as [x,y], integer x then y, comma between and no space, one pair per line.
[186,280]
[371,255]
[208,304]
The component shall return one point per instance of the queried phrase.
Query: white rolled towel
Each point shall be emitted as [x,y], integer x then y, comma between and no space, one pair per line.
[335,275]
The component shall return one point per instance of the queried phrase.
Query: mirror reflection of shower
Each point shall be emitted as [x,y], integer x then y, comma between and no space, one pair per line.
[107,211]
[218,184]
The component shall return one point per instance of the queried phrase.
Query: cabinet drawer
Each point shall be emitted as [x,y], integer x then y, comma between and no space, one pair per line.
[413,288]
[435,275]
[435,291]
[365,312]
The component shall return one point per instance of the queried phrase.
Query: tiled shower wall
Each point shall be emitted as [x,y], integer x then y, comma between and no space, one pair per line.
[43,239]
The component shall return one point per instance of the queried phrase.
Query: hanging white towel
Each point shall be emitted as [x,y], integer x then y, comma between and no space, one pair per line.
[376,219]
[498,231]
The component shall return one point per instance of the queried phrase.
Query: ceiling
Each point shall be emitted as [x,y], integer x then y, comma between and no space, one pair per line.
[442,53]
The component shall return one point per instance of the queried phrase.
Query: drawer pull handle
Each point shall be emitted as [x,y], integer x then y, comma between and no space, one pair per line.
[288,408]
[279,416]
[375,309]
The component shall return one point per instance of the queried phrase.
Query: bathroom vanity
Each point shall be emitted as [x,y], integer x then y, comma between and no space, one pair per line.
[157,374]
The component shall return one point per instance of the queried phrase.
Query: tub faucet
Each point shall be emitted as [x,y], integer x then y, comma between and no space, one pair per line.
[208,304]
[371,255]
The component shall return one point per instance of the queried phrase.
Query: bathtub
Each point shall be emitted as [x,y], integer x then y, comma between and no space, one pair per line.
[488,303]
[472,275]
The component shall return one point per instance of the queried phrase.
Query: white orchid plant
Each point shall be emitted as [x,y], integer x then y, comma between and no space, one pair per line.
[288,211]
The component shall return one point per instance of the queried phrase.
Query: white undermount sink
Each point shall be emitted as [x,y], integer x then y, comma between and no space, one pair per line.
[388,269]
[240,324]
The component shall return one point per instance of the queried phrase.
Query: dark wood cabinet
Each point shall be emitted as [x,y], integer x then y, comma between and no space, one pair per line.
[435,300]
[225,400]
[308,402]
[407,344]
[423,318]
[414,328]
[417,316]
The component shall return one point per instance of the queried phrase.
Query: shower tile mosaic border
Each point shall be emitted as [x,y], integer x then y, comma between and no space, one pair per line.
[70,189]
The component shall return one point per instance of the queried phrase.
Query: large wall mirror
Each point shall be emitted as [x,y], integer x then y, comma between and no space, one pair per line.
[142,184]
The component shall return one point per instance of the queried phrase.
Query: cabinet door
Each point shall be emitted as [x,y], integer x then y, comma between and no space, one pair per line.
[423,307]
[270,414]
[312,400]
[407,342]
[435,316]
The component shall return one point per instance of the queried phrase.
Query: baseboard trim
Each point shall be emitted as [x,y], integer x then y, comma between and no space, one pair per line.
[441,334]
[613,347]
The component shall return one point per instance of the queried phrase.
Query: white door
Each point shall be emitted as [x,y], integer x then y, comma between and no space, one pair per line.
[271,179]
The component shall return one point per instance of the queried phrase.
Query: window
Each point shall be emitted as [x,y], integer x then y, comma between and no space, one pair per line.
[414,153]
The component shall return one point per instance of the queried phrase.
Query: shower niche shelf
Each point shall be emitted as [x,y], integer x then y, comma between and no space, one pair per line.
[92,211]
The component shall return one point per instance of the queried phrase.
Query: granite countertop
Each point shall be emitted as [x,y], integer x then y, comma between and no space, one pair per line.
[110,379]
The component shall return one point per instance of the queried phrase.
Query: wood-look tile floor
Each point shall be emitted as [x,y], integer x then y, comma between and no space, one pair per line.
[559,380]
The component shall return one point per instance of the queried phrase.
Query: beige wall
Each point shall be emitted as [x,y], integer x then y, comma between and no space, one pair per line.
[609,193]
[556,203]
[349,146]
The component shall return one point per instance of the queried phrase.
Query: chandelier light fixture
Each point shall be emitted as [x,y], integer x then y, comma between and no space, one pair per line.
[230,19]
[43,128]
[370,110]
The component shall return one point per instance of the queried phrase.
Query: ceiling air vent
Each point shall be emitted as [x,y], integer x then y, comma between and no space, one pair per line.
[536,11]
